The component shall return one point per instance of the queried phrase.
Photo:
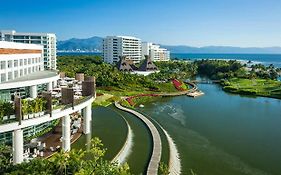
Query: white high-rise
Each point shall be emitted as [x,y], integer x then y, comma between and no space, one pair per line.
[116,46]
[155,52]
[48,40]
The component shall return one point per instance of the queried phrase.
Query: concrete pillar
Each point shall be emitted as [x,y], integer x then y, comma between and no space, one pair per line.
[87,119]
[17,146]
[66,133]
[55,84]
[33,91]
[50,86]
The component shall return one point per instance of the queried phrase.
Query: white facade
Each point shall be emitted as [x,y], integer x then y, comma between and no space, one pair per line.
[116,46]
[48,40]
[20,64]
[155,52]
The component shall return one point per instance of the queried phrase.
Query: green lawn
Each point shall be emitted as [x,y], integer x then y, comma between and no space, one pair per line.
[259,87]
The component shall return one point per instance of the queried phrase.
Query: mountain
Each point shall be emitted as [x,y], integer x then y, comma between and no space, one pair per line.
[95,44]
[74,44]
[223,49]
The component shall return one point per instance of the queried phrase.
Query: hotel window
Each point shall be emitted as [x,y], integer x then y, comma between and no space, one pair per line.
[33,61]
[16,74]
[9,64]
[21,72]
[3,77]
[29,60]
[10,75]
[33,69]
[29,70]
[25,71]
[3,64]
[16,63]
[21,62]
[25,61]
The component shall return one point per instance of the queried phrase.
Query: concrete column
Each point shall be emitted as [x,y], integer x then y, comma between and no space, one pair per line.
[50,86]
[55,84]
[87,119]
[17,146]
[33,91]
[66,133]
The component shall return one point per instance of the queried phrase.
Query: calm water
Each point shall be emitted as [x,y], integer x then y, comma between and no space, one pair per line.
[265,59]
[220,133]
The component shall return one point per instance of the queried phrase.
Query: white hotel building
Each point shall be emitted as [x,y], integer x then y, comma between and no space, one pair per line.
[48,40]
[155,52]
[116,46]
[22,71]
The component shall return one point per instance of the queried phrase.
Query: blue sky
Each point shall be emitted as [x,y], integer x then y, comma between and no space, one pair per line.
[242,23]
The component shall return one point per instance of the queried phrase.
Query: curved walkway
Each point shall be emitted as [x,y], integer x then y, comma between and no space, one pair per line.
[157,145]
[121,157]
[174,157]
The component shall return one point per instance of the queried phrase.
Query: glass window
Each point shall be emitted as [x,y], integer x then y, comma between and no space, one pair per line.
[10,64]
[25,61]
[21,62]
[25,71]
[3,77]
[21,72]
[29,60]
[10,75]
[29,70]
[3,64]
[16,74]
[16,63]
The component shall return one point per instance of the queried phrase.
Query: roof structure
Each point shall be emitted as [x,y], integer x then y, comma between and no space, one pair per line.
[124,64]
[148,65]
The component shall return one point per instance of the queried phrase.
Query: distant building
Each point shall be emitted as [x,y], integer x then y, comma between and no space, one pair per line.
[116,46]
[48,40]
[154,52]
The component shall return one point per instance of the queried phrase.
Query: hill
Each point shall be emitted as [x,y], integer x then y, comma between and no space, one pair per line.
[95,44]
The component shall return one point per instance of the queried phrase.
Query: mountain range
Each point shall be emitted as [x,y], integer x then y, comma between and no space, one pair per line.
[94,44]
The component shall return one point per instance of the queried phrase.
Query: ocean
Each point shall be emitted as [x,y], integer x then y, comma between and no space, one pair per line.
[265,59]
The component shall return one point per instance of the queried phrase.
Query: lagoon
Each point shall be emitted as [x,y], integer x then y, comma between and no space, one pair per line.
[221,133]
[216,134]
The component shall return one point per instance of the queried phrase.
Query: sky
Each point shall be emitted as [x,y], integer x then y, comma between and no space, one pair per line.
[243,23]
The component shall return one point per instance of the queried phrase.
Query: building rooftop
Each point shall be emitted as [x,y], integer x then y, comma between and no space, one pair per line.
[13,32]
[14,45]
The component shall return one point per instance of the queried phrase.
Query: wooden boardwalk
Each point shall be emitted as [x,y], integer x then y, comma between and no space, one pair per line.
[157,145]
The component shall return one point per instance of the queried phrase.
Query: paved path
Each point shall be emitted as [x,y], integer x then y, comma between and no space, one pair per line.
[157,145]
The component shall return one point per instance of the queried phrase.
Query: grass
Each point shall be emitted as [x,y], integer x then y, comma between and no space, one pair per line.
[103,100]
[258,87]
[111,94]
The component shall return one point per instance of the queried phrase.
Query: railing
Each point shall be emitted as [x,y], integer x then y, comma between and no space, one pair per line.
[12,118]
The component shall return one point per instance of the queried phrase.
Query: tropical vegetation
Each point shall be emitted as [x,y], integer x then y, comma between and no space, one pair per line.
[78,162]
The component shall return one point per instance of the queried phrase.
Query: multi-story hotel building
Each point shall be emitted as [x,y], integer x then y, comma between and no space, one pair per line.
[116,46]
[48,40]
[22,71]
[155,52]
[23,76]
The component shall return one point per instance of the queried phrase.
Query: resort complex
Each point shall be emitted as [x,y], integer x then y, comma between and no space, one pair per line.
[47,40]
